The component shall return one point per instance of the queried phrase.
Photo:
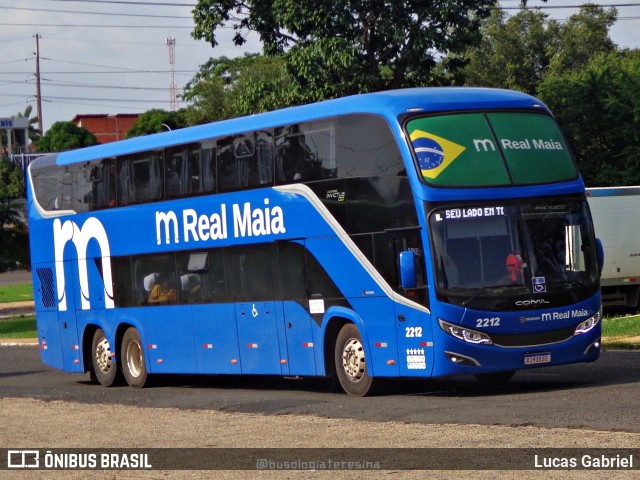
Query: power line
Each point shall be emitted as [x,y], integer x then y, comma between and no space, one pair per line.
[101,72]
[68,25]
[154,4]
[51,98]
[89,85]
[85,12]
[122,69]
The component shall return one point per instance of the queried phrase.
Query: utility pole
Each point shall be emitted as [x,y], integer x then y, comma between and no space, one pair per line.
[38,95]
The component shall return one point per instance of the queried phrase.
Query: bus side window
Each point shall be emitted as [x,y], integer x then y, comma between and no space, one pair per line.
[102,177]
[227,165]
[140,178]
[207,172]
[201,276]
[293,274]
[123,291]
[305,152]
[151,271]
[252,272]
[245,161]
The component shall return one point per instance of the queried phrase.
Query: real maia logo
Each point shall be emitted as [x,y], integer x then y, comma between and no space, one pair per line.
[246,220]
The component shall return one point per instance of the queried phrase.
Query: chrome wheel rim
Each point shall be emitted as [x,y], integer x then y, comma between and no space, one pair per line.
[353,361]
[134,359]
[103,355]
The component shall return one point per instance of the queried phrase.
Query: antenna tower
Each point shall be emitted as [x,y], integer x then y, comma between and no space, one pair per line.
[173,91]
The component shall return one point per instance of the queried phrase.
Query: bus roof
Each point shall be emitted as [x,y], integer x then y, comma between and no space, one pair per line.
[389,104]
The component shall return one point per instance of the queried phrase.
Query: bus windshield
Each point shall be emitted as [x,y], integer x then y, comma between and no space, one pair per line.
[490,149]
[496,255]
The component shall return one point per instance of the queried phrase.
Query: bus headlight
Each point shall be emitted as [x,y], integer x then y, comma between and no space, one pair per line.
[589,323]
[465,334]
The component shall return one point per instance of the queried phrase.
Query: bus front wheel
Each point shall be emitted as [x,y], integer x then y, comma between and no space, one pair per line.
[134,367]
[351,365]
[105,369]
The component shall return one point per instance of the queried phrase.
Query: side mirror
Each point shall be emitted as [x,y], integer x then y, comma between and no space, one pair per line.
[600,253]
[408,277]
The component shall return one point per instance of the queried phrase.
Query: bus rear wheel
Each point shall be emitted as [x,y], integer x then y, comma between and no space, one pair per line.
[134,366]
[351,364]
[105,368]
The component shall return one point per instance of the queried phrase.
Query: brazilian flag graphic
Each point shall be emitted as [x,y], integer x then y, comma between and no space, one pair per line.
[434,153]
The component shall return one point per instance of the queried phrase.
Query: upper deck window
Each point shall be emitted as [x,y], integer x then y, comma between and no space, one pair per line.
[341,147]
[490,149]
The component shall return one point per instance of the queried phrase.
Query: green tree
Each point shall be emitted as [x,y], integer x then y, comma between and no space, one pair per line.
[599,109]
[156,121]
[225,88]
[348,46]
[584,36]
[11,189]
[515,52]
[65,136]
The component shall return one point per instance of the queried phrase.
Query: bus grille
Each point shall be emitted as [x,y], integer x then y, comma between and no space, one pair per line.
[533,339]
[45,275]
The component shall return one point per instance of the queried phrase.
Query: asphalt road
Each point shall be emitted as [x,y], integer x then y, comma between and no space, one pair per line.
[602,395]
[15,277]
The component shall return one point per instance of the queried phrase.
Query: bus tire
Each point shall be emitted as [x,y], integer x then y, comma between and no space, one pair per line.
[134,366]
[351,366]
[495,378]
[105,368]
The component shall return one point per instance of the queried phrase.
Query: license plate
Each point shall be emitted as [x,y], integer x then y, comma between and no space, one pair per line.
[537,358]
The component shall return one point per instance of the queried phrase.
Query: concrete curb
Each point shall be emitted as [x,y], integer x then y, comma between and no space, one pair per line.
[14,309]
[18,342]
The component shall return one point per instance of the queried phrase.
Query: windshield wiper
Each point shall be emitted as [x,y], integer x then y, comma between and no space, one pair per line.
[494,289]
[571,283]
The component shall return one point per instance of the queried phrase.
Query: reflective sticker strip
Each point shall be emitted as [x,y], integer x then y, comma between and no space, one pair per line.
[381,345]
[307,344]
[252,345]
[207,345]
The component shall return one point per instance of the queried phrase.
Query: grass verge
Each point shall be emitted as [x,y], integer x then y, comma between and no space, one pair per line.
[18,327]
[16,293]
[621,333]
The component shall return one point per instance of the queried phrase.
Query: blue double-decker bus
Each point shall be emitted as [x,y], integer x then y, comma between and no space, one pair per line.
[411,233]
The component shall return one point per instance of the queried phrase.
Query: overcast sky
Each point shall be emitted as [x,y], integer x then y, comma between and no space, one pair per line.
[110,56]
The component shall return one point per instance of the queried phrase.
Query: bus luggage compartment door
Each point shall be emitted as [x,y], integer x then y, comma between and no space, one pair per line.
[258,336]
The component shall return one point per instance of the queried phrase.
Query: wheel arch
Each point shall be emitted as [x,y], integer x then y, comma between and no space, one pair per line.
[333,321]
[115,335]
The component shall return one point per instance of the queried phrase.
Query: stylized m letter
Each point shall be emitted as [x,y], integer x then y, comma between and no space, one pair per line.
[485,143]
[166,219]
[91,230]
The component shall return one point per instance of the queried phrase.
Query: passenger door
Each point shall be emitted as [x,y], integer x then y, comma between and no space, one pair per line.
[258,309]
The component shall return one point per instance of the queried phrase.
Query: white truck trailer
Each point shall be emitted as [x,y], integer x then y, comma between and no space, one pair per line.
[616,218]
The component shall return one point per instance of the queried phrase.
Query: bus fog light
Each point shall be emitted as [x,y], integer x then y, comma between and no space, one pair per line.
[461,359]
[465,334]
[589,323]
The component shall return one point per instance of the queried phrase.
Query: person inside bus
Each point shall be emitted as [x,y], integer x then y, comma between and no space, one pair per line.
[163,292]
